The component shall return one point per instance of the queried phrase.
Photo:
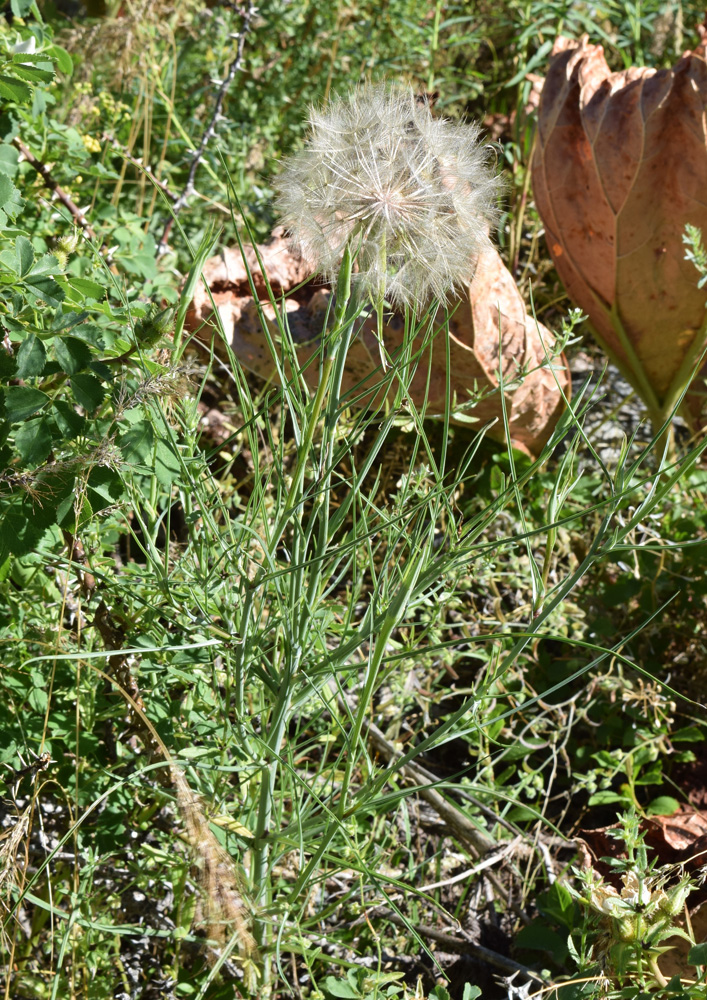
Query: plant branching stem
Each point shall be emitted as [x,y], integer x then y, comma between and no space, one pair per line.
[329,388]
[210,130]
[53,185]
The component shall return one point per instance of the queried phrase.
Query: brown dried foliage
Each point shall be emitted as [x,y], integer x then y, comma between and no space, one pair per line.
[222,912]
[491,315]
[620,168]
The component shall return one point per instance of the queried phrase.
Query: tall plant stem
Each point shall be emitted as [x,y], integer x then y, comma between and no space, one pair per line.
[329,390]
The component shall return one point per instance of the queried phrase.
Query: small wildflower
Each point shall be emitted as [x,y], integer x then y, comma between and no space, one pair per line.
[411,196]
[28,45]
[636,891]
[634,896]
[91,144]
[606,900]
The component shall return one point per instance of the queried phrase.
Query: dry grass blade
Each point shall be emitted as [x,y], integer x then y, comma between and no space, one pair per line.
[222,912]
[222,905]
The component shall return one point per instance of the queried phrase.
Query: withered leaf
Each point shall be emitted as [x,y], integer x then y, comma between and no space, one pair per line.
[620,168]
[489,330]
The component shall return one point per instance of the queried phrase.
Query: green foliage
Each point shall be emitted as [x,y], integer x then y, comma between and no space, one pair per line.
[361,984]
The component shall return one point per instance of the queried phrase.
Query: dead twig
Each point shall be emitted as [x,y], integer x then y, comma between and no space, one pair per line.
[460,945]
[222,908]
[140,166]
[59,193]
[461,825]
[479,843]
[210,130]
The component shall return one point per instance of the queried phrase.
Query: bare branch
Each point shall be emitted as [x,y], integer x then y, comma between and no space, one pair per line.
[50,182]
[234,67]
[139,165]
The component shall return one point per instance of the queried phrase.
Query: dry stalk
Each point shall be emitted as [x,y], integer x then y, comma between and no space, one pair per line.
[53,185]
[223,913]
[247,15]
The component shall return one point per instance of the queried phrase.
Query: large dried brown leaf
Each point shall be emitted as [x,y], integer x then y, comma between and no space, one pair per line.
[620,168]
[492,316]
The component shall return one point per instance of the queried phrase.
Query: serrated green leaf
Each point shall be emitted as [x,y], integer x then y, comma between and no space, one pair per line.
[105,487]
[19,532]
[46,289]
[88,391]
[90,289]
[167,467]
[70,423]
[10,201]
[21,8]
[47,264]
[103,371]
[33,74]
[72,354]
[33,58]
[14,90]
[9,126]
[21,402]
[8,366]
[136,443]
[92,334]
[33,440]
[24,254]
[31,357]
[8,259]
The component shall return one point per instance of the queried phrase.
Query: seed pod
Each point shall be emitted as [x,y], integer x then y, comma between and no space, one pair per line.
[627,928]
[412,195]
[620,169]
[155,325]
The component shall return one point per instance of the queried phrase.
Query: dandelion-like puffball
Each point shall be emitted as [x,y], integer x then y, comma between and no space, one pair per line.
[413,196]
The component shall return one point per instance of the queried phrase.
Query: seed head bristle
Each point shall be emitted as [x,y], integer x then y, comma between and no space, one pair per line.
[412,195]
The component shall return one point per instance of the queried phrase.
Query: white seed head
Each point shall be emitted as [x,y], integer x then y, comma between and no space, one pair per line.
[412,195]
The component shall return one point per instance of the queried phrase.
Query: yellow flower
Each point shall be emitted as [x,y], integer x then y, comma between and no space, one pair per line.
[91,143]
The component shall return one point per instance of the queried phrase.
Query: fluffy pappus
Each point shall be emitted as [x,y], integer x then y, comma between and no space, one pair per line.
[412,195]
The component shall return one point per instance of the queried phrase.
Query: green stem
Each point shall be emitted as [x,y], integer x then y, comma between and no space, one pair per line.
[434,45]
[394,615]
[329,385]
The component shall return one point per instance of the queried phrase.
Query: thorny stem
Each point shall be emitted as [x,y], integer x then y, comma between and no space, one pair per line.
[210,130]
[49,181]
